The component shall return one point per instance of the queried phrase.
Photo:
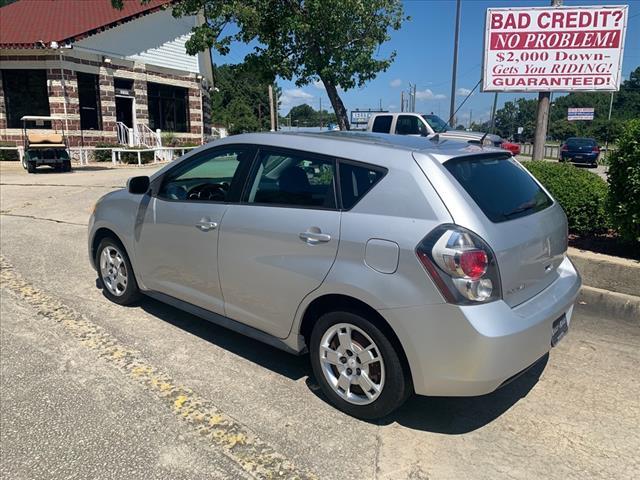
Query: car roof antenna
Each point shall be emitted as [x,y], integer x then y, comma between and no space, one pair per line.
[482,139]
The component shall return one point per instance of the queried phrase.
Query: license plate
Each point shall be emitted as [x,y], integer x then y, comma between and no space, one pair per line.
[578,157]
[558,330]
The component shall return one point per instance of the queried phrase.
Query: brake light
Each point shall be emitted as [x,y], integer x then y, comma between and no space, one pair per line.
[461,265]
[564,148]
[596,149]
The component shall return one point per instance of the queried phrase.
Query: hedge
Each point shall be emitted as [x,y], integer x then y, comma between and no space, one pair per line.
[582,194]
[11,155]
[104,155]
[624,183]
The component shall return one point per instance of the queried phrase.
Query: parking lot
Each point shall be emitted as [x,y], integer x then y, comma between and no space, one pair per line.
[94,390]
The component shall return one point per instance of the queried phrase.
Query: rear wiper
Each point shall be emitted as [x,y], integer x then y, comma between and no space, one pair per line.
[522,208]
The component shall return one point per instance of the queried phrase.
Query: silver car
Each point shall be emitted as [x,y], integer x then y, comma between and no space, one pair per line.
[400,264]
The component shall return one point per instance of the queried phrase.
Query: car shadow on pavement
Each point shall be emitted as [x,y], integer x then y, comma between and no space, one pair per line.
[446,415]
[283,363]
[458,415]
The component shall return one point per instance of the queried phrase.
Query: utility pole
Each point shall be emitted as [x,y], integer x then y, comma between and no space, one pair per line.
[493,113]
[271,109]
[452,107]
[470,115]
[542,115]
[414,98]
[402,101]
[606,141]
[320,113]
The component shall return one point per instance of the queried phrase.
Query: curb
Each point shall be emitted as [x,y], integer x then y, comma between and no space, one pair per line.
[606,272]
[612,305]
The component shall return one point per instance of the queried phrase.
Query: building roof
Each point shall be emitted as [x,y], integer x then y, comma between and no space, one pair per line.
[25,23]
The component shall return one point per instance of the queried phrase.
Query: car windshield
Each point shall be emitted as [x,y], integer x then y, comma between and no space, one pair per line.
[436,123]
[581,142]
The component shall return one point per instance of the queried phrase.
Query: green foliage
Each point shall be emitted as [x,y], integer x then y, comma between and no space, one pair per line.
[104,155]
[624,183]
[131,156]
[334,41]
[305,116]
[8,155]
[582,194]
[241,103]
[626,106]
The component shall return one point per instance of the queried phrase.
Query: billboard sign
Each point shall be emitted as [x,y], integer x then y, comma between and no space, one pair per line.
[580,114]
[554,49]
[361,117]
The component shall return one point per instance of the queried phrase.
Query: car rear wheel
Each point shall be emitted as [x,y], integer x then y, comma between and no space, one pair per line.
[356,366]
[31,167]
[116,274]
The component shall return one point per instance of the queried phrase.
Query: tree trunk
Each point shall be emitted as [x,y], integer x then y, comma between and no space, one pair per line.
[336,103]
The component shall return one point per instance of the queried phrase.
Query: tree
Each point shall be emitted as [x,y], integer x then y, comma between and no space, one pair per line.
[305,116]
[331,41]
[241,99]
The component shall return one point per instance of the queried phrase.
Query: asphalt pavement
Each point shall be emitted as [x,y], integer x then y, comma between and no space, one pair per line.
[90,389]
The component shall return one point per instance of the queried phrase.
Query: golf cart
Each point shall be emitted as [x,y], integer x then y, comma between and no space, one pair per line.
[45,148]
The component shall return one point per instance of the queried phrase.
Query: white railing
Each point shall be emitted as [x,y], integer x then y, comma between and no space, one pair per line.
[124,134]
[145,137]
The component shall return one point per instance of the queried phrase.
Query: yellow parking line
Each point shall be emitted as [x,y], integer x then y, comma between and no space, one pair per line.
[224,433]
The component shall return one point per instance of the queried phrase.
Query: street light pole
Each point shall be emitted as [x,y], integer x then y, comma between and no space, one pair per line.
[452,106]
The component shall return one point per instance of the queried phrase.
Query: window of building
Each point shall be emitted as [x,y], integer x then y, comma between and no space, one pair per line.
[25,93]
[168,107]
[89,98]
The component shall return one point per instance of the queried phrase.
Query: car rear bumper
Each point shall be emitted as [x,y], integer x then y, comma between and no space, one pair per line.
[580,157]
[473,350]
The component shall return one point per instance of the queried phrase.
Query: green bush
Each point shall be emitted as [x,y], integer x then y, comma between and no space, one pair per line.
[131,156]
[11,155]
[104,155]
[582,194]
[624,183]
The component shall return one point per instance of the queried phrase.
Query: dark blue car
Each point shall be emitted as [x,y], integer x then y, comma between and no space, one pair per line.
[580,150]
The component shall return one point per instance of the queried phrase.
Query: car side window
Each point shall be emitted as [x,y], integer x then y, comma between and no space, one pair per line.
[293,179]
[356,181]
[382,124]
[409,125]
[213,176]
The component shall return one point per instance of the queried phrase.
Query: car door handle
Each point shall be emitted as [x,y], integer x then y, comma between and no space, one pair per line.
[312,237]
[206,226]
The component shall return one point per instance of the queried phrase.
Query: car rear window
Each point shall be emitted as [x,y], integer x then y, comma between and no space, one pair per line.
[502,188]
[581,142]
[382,124]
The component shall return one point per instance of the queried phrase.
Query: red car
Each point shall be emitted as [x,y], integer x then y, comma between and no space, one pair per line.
[514,148]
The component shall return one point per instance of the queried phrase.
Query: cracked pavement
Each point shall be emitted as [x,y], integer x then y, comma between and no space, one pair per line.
[68,409]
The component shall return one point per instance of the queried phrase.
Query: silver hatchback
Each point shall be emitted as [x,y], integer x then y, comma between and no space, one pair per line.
[400,264]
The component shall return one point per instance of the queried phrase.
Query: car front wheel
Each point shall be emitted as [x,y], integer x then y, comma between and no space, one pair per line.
[356,365]
[116,274]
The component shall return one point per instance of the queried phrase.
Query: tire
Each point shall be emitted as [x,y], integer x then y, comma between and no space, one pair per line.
[116,273]
[334,363]
[31,167]
[66,166]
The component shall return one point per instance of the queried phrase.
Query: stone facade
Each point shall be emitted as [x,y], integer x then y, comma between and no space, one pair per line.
[62,89]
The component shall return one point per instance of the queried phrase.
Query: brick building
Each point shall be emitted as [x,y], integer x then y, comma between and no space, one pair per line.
[116,76]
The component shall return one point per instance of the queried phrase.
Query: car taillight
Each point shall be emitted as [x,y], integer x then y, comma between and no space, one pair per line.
[596,149]
[564,148]
[461,264]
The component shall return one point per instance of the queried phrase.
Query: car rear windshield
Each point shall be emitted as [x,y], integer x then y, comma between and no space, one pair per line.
[581,142]
[499,185]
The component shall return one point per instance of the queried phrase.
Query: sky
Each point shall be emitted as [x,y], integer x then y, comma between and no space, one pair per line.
[424,48]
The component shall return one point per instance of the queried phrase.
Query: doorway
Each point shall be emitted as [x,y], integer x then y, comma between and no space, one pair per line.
[124,110]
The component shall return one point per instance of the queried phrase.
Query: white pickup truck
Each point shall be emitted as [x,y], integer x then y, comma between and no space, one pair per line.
[417,124]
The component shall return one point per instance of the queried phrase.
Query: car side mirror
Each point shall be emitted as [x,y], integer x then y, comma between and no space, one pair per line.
[138,185]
